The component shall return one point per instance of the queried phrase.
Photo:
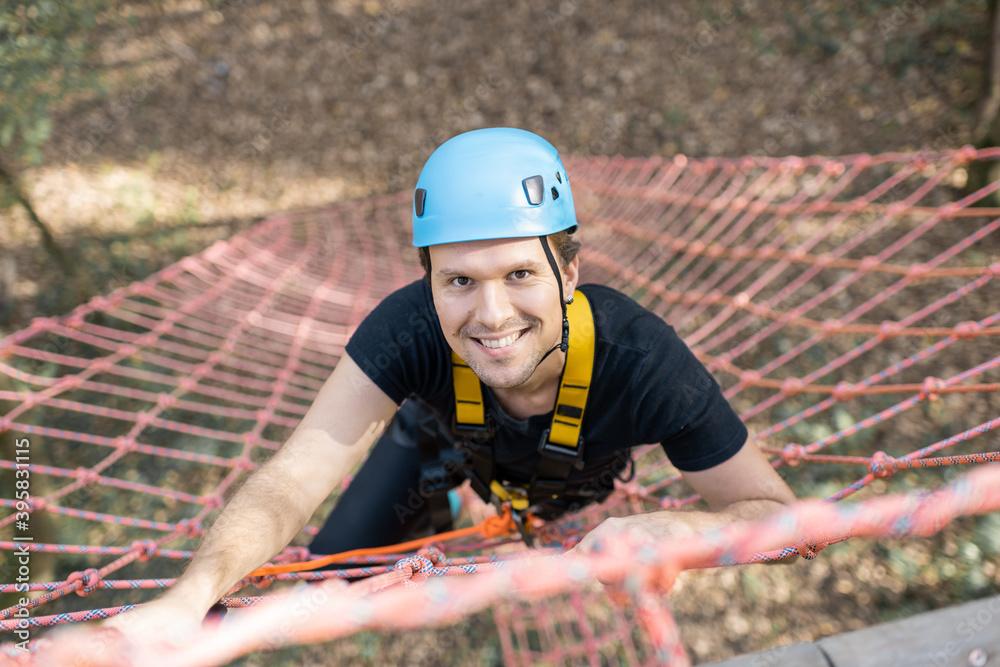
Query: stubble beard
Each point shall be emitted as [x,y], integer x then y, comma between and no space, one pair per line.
[488,371]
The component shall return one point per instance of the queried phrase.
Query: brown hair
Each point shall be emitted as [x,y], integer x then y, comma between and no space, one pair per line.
[564,245]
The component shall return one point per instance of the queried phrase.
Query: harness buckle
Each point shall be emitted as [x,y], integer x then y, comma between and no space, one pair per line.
[560,452]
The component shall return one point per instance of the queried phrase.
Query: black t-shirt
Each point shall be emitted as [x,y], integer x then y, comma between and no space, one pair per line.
[647,386]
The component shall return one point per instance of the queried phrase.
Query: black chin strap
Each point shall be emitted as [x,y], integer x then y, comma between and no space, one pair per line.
[564,344]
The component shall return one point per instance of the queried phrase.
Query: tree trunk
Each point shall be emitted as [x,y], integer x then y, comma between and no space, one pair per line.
[80,284]
[986,132]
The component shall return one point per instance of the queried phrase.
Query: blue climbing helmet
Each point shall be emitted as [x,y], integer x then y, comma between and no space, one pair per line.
[493,183]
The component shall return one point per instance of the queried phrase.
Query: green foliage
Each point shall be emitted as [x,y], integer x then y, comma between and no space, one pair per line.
[44,51]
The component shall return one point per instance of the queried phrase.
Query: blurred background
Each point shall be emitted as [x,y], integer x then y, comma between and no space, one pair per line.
[140,132]
[134,134]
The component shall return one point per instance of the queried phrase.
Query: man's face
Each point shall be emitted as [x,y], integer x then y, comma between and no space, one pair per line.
[498,303]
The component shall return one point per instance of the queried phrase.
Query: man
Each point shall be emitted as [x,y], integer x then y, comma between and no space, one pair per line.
[565,383]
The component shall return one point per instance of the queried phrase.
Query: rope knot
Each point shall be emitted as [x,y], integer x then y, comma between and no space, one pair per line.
[750,377]
[792,385]
[86,582]
[967,330]
[5,424]
[189,529]
[844,391]
[869,264]
[669,503]
[889,329]
[882,465]
[211,501]
[166,401]
[994,269]
[126,444]
[432,553]
[837,168]
[931,387]
[71,382]
[244,463]
[792,454]
[632,490]
[145,549]
[415,568]
[806,551]
[966,154]
[832,326]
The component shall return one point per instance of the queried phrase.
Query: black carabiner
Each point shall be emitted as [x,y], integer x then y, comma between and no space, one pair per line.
[518,517]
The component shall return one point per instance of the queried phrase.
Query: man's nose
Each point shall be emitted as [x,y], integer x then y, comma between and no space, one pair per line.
[493,307]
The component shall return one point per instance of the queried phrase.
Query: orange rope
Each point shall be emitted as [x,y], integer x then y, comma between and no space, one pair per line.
[492,526]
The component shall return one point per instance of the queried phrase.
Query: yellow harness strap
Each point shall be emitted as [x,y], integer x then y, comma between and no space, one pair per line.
[469,410]
[574,386]
[571,402]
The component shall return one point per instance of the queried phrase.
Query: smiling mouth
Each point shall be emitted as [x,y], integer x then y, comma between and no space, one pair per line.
[501,342]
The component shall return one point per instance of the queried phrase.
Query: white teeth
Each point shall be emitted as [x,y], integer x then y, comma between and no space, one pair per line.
[503,342]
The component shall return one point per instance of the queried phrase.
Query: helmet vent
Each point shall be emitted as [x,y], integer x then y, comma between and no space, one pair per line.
[558,177]
[534,189]
[555,194]
[419,197]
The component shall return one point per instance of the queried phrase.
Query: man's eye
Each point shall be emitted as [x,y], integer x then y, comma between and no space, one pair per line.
[461,281]
[520,274]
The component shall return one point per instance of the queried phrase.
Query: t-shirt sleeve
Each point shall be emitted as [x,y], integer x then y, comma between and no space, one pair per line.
[678,403]
[399,345]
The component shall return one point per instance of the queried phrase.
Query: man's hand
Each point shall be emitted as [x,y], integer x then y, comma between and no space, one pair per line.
[636,530]
[163,621]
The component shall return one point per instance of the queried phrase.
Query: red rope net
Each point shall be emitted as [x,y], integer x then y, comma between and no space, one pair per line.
[848,306]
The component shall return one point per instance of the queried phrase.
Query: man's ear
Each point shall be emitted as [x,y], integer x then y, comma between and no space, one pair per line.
[571,275]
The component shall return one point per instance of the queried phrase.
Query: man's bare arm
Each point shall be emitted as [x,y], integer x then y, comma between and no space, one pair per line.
[743,488]
[276,501]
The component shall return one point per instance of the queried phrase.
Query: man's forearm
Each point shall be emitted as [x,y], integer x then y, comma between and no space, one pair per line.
[673,523]
[259,520]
